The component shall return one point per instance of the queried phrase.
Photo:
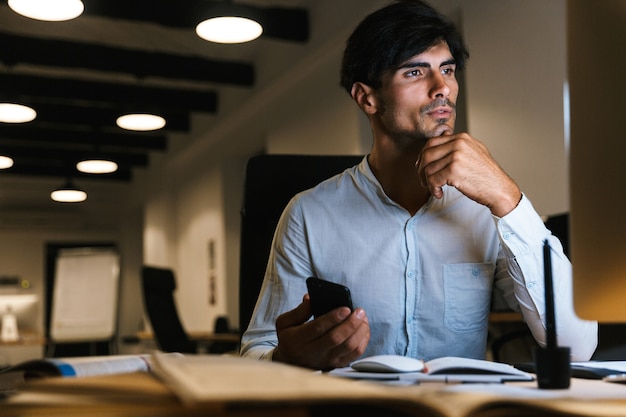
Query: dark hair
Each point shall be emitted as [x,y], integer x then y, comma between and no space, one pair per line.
[389,36]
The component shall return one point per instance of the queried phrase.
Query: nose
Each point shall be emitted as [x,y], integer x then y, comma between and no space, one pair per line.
[439,86]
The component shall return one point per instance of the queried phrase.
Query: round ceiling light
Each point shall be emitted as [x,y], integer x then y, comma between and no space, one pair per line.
[68,195]
[96,166]
[50,10]
[140,122]
[16,113]
[229,29]
[6,162]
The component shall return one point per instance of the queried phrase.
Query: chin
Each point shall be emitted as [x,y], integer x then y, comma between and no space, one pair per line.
[442,130]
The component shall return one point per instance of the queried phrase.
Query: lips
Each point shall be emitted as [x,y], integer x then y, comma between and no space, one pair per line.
[441,112]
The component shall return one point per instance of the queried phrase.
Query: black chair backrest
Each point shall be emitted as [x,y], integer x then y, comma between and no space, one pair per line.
[270,182]
[559,226]
[158,294]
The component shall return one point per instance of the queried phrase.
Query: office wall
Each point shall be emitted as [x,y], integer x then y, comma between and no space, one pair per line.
[515,80]
[302,111]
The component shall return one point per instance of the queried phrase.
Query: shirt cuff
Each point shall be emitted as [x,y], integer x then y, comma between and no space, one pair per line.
[263,353]
[522,226]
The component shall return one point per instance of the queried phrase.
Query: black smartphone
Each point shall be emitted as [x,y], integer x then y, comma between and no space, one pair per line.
[326,296]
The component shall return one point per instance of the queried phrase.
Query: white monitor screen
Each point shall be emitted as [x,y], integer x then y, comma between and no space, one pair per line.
[597,158]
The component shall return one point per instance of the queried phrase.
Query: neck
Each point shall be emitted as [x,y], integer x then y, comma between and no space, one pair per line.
[394,167]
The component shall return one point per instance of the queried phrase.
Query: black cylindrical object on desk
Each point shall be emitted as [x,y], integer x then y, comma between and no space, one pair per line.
[552,366]
[552,363]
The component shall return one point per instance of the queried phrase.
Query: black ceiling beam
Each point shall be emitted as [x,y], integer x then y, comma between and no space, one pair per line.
[52,156]
[34,136]
[22,169]
[16,49]
[290,24]
[57,89]
[78,115]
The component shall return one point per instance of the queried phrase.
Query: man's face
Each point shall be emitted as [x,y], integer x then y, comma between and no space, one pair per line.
[418,100]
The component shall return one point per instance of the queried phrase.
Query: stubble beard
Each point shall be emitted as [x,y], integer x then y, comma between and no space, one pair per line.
[445,126]
[420,135]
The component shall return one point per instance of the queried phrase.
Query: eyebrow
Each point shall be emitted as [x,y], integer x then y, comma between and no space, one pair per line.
[419,64]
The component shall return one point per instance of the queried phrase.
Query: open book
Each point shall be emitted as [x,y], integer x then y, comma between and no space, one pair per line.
[207,380]
[449,369]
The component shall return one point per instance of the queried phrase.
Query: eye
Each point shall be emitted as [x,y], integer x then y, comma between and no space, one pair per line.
[415,72]
[448,70]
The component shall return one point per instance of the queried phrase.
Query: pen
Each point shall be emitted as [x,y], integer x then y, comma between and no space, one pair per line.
[552,363]
[549,293]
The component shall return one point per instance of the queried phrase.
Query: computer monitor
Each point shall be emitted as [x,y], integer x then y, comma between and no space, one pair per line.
[597,90]
[25,308]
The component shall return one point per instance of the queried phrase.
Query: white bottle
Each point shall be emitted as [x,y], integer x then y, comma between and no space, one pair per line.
[9,331]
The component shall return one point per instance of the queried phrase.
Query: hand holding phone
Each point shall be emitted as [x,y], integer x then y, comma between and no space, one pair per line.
[326,296]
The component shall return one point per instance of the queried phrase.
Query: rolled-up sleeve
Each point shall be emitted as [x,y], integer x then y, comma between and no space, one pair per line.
[522,234]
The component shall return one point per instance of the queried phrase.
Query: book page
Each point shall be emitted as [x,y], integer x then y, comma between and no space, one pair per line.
[457,365]
[617,366]
[202,378]
[446,370]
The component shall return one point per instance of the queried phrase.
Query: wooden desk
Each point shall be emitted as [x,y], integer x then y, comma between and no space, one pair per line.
[26,339]
[202,337]
[30,345]
[206,341]
[235,388]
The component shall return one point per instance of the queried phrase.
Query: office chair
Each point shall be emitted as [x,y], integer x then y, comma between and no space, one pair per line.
[270,182]
[158,294]
[222,326]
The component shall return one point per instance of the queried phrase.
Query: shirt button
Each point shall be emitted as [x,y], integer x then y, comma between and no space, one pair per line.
[475,272]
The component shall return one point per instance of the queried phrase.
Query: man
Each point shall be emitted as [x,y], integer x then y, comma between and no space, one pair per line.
[421,231]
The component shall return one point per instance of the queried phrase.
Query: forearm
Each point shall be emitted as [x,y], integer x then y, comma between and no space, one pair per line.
[522,234]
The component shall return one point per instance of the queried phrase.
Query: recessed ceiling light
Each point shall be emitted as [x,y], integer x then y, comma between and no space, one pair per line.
[50,10]
[96,166]
[140,122]
[67,195]
[229,29]
[6,162]
[16,113]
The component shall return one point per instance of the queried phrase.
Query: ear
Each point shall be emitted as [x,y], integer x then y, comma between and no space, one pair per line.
[364,97]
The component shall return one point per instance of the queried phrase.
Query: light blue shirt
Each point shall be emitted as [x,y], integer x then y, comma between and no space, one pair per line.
[425,281]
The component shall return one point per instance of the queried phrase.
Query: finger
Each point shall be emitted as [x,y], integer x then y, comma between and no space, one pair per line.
[436,178]
[433,176]
[328,321]
[297,316]
[432,151]
[348,335]
[420,171]
[351,339]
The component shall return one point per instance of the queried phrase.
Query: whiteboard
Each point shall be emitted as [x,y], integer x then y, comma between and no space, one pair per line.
[84,299]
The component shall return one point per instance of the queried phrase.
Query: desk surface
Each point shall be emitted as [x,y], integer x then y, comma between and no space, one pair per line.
[198,336]
[26,339]
[278,390]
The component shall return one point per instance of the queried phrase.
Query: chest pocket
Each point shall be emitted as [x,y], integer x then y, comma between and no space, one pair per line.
[467,295]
